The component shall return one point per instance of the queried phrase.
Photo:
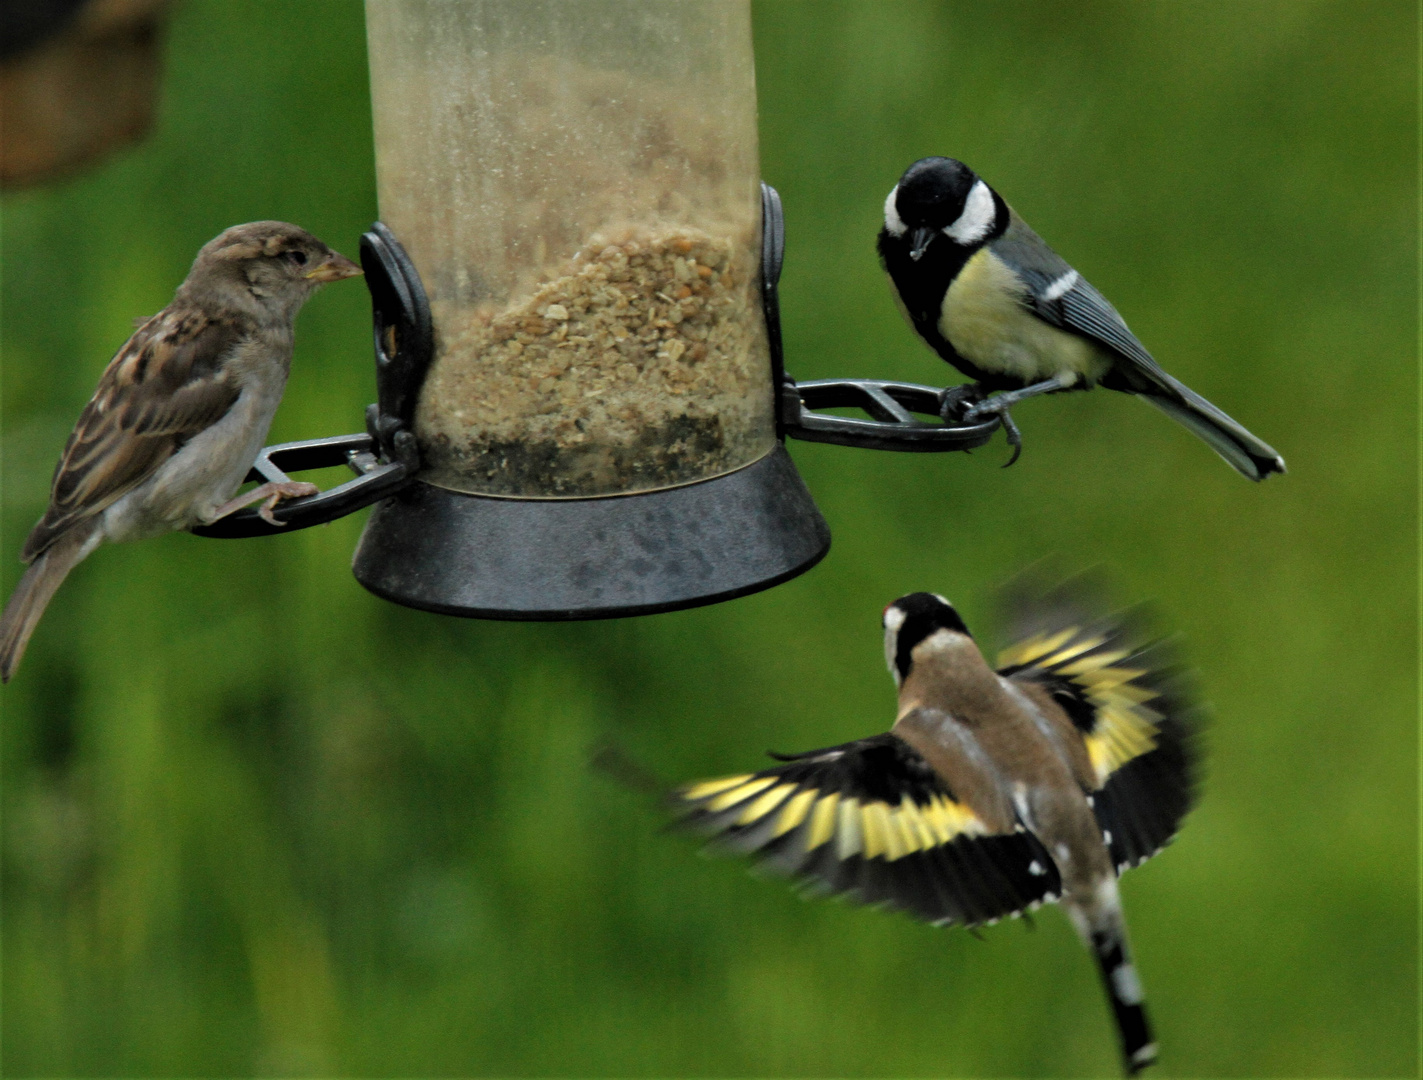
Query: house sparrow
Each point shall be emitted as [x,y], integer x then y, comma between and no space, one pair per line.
[988,295]
[180,413]
[995,791]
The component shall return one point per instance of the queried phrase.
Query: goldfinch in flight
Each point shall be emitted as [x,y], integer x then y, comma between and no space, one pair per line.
[996,790]
[990,297]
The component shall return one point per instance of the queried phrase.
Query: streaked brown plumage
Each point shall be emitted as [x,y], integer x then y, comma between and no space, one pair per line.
[994,791]
[179,414]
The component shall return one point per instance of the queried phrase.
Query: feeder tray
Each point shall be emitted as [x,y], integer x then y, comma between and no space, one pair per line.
[520,465]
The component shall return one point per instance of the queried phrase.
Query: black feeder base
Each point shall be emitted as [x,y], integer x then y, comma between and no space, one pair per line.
[549,559]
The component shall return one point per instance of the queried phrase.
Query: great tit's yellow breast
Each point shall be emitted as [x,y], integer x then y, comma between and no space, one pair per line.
[985,317]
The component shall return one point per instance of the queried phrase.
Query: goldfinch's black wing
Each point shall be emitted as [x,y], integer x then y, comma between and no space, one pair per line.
[871,820]
[1133,704]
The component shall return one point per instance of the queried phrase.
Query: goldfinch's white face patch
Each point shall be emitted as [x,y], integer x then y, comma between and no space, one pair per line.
[893,620]
[892,222]
[977,218]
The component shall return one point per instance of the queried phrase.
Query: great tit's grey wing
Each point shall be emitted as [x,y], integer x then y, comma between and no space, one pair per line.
[1062,297]
[872,820]
[166,384]
[1132,703]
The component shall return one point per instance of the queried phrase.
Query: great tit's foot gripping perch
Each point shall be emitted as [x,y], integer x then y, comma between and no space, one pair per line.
[269,495]
[999,404]
[965,403]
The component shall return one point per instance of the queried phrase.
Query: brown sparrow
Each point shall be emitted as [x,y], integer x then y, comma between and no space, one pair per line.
[180,413]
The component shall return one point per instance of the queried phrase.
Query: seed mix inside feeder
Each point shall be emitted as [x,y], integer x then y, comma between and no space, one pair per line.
[576,184]
[574,293]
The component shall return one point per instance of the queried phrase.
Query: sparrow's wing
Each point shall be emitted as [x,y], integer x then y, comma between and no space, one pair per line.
[1133,705]
[870,819]
[164,386]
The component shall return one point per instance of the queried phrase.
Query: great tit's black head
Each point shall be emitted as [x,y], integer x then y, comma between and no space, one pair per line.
[909,621]
[939,196]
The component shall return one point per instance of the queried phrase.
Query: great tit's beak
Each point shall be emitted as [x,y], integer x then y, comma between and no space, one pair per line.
[920,239]
[334,269]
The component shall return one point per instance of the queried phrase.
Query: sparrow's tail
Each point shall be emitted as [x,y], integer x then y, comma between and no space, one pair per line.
[1104,930]
[35,590]
[1250,456]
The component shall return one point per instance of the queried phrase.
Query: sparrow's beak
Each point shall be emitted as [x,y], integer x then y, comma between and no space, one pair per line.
[920,238]
[334,269]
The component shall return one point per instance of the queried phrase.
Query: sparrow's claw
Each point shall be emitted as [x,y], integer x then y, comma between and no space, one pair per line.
[291,489]
[269,494]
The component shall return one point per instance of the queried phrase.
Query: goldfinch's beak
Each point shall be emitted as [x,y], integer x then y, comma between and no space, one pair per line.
[334,269]
[920,239]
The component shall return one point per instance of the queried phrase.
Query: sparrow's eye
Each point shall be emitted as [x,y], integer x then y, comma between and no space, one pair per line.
[297,257]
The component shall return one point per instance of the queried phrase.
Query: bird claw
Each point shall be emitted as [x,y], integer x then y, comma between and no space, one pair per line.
[956,401]
[997,406]
[278,492]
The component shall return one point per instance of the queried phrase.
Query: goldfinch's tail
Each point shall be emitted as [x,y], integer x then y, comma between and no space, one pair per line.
[1128,1006]
[1097,916]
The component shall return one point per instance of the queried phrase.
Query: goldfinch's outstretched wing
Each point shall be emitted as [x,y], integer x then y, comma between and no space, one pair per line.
[871,820]
[1132,702]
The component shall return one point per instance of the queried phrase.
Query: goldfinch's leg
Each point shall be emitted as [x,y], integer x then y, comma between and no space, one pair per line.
[273,493]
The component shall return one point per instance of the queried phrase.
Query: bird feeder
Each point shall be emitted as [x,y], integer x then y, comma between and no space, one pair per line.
[582,402]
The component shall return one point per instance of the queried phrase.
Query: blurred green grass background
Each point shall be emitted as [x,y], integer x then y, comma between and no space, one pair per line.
[257,821]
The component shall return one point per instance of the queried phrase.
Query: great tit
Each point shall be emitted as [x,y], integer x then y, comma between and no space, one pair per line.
[990,297]
[996,790]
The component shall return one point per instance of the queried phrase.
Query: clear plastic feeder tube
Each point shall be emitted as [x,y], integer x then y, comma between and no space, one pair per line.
[577,182]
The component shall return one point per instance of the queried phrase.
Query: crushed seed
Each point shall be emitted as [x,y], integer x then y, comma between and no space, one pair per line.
[642,364]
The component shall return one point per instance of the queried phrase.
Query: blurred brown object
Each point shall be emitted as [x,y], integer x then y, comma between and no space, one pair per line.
[78,80]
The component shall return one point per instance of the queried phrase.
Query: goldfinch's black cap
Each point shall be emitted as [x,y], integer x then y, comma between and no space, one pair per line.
[915,617]
[932,191]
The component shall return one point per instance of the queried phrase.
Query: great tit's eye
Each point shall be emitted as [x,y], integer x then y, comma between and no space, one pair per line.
[298,258]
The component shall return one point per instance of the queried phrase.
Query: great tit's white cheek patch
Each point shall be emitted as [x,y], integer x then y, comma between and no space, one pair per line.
[893,224]
[977,218]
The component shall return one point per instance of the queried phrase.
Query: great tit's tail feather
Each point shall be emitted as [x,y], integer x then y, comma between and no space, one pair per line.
[36,588]
[1251,456]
